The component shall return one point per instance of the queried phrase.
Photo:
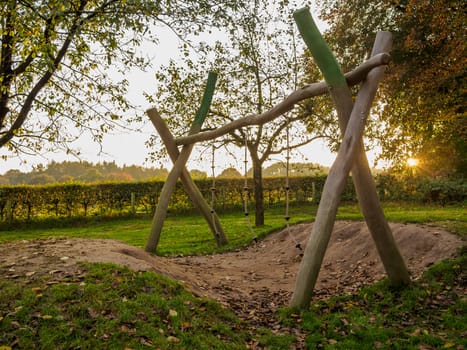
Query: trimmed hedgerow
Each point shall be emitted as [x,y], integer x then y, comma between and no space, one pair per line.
[74,200]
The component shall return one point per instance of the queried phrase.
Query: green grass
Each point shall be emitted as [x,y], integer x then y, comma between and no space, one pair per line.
[111,307]
[189,234]
[181,234]
[430,314]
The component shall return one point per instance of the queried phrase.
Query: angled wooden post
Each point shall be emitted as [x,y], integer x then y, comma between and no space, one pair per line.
[349,156]
[189,185]
[367,194]
[179,165]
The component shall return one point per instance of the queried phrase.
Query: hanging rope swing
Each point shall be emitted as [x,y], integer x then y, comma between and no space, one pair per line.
[213,190]
[298,245]
[246,190]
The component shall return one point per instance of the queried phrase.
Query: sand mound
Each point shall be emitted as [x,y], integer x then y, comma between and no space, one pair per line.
[263,273]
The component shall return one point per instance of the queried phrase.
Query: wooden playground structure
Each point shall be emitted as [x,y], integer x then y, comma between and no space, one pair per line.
[352,115]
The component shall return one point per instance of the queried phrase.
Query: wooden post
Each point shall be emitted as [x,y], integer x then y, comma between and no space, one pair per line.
[368,199]
[189,185]
[179,165]
[133,205]
[364,183]
[9,211]
[350,146]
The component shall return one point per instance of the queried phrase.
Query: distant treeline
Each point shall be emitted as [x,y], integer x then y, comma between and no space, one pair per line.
[86,172]
[83,172]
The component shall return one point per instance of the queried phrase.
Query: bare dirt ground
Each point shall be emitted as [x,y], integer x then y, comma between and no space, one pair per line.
[253,282]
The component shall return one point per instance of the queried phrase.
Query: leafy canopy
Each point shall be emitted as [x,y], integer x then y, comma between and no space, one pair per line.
[423,96]
[56,58]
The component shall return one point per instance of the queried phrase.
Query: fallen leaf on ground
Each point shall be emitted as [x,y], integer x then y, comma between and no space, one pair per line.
[173,313]
[173,339]
[93,313]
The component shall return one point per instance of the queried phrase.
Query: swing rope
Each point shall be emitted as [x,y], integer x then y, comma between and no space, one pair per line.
[246,190]
[298,245]
[213,191]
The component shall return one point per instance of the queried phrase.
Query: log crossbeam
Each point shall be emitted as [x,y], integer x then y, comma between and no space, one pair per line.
[354,77]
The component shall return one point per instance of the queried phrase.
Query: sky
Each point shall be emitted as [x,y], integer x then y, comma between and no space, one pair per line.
[128,148]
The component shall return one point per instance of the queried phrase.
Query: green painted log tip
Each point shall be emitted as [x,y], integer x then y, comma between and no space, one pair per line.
[207,99]
[302,11]
[318,47]
[303,17]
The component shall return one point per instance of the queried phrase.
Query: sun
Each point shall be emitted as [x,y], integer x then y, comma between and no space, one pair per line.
[412,162]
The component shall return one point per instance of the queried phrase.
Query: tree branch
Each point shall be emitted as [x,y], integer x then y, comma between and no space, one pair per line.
[22,115]
[25,64]
[299,144]
[6,65]
[271,139]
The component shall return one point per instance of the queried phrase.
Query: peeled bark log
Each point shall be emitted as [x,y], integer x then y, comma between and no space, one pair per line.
[179,165]
[351,150]
[354,77]
[189,185]
[370,205]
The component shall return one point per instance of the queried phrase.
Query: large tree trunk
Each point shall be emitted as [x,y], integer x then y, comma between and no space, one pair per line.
[258,190]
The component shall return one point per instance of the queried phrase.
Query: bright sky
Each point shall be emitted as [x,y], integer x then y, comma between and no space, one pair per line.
[129,148]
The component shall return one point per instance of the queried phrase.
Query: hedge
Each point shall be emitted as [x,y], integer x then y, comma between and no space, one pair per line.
[27,202]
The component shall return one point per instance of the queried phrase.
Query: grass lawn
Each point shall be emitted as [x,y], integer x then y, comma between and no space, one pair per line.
[430,314]
[189,234]
[111,307]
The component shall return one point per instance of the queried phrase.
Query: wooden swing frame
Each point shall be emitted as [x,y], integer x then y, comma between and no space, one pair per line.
[351,157]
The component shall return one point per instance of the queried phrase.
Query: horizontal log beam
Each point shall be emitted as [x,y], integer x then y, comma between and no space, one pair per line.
[311,90]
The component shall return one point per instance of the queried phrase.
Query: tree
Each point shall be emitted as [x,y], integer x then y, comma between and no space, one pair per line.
[15,177]
[258,67]
[295,169]
[41,179]
[230,173]
[65,179]
[198,174]
[91,175]
[423,98]
[119,177]
[85,172]
[56,57]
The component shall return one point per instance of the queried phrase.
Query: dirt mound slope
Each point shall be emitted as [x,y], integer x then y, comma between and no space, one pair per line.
[263,274]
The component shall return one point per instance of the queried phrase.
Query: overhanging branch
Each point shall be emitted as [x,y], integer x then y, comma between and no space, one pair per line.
[22,115]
